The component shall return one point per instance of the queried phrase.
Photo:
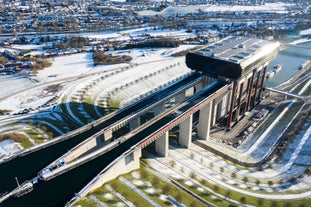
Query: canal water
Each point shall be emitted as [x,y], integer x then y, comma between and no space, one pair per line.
[291,58]
[58,191]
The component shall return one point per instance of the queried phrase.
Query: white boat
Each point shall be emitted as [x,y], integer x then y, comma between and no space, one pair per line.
[277,68]
[305,65]
[23,189]
[269,74]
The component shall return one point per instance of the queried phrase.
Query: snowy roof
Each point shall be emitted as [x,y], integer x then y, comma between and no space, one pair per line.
[232,56]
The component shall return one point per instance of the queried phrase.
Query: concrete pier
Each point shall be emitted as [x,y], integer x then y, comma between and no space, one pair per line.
[134,123]
[185,132]
[204,121]
[161,145]
[158,109]
[180,97]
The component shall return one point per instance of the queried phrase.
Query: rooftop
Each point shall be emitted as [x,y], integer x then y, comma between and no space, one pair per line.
[232,56]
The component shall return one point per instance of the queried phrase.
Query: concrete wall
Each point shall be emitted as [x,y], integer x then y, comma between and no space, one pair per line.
[125,165]
[89,144]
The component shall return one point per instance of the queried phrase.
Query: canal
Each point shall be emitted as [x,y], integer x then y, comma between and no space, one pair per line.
[58,191]
[291,58]
[26,167]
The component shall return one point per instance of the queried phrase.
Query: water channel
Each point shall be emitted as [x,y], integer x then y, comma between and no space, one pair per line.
[291,58]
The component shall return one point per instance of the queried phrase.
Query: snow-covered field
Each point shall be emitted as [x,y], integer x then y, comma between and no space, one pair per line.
[8,147]
[278,7]
[64,67]
[12,84]
[139,32]
[305,32]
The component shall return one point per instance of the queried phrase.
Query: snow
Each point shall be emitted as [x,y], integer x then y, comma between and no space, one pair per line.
[67,66]
[140,32]
[137,182]
[108,196]
[135,175]
[150,190]
[82,63]
[305,32]
[300,41]
[7,146]
[118,0]
[15,83]
[189,183]
[29,99]
[268,7]
[27,47]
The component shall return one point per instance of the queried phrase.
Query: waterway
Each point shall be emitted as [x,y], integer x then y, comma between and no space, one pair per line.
[27,167]
[291,58]
[57,191]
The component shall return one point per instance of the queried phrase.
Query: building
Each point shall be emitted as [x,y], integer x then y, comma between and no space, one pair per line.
[240,60]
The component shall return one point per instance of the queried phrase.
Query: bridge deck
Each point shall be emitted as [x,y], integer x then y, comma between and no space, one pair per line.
[285,92]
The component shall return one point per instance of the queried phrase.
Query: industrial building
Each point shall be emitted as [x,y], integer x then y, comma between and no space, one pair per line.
[240,60]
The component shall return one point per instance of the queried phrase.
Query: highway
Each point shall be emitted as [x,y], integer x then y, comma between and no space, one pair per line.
[27,166]
[57,191]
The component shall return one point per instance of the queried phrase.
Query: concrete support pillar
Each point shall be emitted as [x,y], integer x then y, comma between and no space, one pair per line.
[256,89]
[189,92]
[224,109]
[205,121]
[108,134]
[228,102]
[205,81]
[209,80]
[180,97]
[219,110]
[216,110]
[249,91]
[232,103]
[100,139]
[198,87]
[240,92]
[158,109]
[161,145]
[185,132]
[262,82]
[134,123]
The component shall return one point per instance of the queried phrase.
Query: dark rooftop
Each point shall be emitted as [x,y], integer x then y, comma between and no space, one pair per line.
[232,56]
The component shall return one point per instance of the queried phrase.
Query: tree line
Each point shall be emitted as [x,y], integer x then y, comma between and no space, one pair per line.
[101,58]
